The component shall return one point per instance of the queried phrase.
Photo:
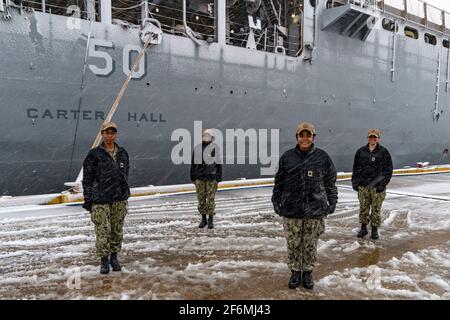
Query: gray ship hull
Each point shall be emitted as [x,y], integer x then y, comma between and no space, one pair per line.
[345,91]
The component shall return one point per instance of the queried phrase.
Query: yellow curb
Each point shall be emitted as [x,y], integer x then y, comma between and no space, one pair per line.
[59,199]
[63,198]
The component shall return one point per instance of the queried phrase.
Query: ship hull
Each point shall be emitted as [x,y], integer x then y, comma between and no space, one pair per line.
[50,113]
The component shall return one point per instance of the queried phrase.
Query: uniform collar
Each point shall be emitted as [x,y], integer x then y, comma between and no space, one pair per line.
[376,148]
[305,153]
[102,146]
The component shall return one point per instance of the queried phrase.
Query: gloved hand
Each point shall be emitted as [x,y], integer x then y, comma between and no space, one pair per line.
[277,208]
[380,188]
[331,208]
[87,205]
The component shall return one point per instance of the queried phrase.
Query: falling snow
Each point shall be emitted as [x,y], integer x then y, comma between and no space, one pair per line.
[44,251]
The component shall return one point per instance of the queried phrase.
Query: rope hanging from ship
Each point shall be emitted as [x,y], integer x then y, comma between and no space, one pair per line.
[150,34]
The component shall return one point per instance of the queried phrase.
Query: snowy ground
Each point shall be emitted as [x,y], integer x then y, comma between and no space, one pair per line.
[48,253]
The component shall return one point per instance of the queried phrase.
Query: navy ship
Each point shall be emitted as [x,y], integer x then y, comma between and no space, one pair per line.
[345,65]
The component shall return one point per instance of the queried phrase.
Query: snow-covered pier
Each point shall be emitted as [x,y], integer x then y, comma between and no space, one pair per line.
[47,252]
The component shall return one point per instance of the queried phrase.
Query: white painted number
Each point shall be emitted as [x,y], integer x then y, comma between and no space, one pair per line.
[93,52]
[128,61]
[73,22]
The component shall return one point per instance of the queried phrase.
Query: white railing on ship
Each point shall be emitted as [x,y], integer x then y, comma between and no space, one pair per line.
[420,9]
[134,13]
[372,4]
[47,7]
[167,15]
[427,15]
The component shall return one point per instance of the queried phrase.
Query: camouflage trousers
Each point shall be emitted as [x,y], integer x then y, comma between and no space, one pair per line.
[302,236]
[108,220]
[206,192]
[370,206]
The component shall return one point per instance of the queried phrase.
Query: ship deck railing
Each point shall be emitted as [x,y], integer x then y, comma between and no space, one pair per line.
[170,16]
[55,8]
[415,11]
[203,25]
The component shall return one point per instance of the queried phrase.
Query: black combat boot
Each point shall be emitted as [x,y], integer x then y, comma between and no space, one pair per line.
[296,278]
[203,223]
[363,232]
[374,234]
[104,267]
[114,262]
[210,222]
[307,280]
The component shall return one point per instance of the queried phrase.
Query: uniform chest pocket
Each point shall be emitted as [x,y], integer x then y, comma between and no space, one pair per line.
[374,158]
[317,197]
[314,180]
[313,175]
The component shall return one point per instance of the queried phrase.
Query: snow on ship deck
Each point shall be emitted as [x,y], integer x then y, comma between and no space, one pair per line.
[166,256]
